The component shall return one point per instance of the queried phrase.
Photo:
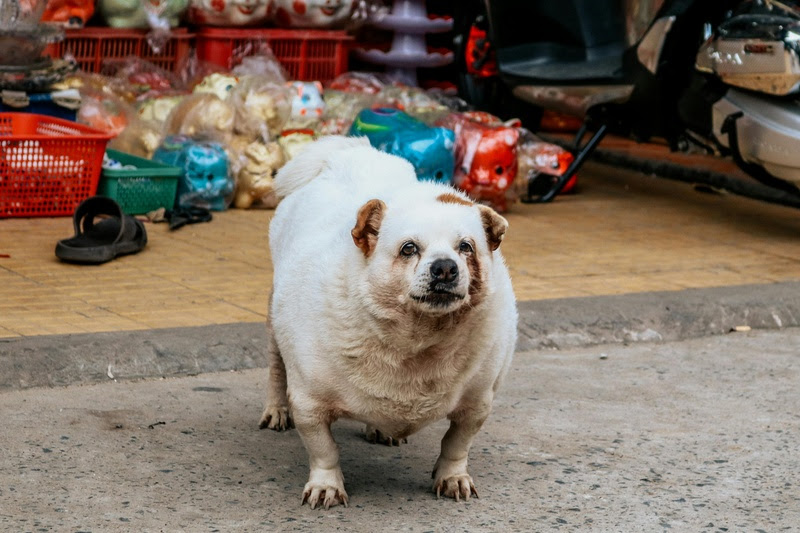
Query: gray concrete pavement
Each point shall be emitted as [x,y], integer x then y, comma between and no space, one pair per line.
[59,360]
[692,435]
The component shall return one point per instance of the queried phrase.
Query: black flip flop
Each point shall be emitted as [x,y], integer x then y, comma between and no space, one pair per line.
[98,242]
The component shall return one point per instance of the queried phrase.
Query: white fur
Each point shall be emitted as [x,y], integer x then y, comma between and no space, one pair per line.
[354,341]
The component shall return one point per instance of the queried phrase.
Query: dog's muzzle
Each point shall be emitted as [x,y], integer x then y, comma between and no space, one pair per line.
[443,286]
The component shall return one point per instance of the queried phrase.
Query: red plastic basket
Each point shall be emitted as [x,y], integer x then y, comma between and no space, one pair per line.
[308,55]
[47,165]
[94,47]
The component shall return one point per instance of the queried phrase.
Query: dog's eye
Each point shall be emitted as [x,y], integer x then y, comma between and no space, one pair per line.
[465,247]
[408,249]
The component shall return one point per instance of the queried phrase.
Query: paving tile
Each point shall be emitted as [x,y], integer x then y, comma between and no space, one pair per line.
[621,233]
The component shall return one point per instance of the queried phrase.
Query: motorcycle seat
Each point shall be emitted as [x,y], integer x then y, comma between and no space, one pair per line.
[603,68]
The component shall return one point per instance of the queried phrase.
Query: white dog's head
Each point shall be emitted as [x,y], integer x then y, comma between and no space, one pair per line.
[430,256]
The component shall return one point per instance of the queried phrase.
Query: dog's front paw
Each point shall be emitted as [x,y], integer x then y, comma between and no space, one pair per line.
[375,436]
[277,418]
[325,487]
[452,480]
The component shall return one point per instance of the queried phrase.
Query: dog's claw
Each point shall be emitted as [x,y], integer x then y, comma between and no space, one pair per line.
[458,487]
[325,496]
[276,418]
[375,436]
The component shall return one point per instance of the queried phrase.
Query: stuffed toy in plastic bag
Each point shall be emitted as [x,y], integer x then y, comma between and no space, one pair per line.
[254,164]
[205,181]
[203,116]
[486,156]
[262,107]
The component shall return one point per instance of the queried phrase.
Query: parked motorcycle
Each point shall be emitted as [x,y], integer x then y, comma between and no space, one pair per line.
[724,75]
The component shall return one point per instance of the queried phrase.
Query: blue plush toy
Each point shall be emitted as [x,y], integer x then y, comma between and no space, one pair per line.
[429,149]
[205,181]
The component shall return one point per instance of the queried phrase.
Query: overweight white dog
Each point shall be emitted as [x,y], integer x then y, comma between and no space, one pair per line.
[391,305]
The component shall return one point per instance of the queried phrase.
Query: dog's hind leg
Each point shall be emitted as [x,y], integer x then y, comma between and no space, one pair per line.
[276,412]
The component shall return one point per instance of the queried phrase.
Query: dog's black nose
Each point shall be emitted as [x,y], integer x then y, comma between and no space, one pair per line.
[444,271]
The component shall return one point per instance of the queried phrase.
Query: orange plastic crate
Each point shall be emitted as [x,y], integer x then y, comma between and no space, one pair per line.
[94,47]
[47,165]
[308,55]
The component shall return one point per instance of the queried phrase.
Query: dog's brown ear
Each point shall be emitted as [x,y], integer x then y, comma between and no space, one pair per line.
[368,222]
[494,225]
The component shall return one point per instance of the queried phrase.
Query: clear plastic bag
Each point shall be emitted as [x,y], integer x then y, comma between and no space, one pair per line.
[540,164]
[145,79]
[206,180]
[192,70]
[486,156]
[262,107]
[254,165]
[414,101]
[104,112]
[140,138]
[308,106]
[260,62]
[218,84]
[359,82]
[158,109]
[341,109]
[202,116]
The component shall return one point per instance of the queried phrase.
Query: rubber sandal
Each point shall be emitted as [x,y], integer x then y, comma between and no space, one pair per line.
[181,216]
[100,241]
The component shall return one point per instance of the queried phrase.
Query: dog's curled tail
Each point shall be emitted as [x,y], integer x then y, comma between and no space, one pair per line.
[312,160]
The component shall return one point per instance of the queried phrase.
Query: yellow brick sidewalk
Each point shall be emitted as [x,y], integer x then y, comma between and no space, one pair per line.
[622,233]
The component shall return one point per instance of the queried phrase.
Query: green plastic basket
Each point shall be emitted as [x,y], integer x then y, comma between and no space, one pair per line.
[146,188]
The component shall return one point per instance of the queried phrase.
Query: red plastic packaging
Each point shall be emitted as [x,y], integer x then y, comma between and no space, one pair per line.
[308,55]
[47,165]
[92,47]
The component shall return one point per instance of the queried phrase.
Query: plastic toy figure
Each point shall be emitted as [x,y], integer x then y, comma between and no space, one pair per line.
[307,104]
[134,13]
[70,13]
[228,12]
[205,181]
[256,162]
[292,141]
[312,13]
[486,156]
[428,148]
[218,84]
